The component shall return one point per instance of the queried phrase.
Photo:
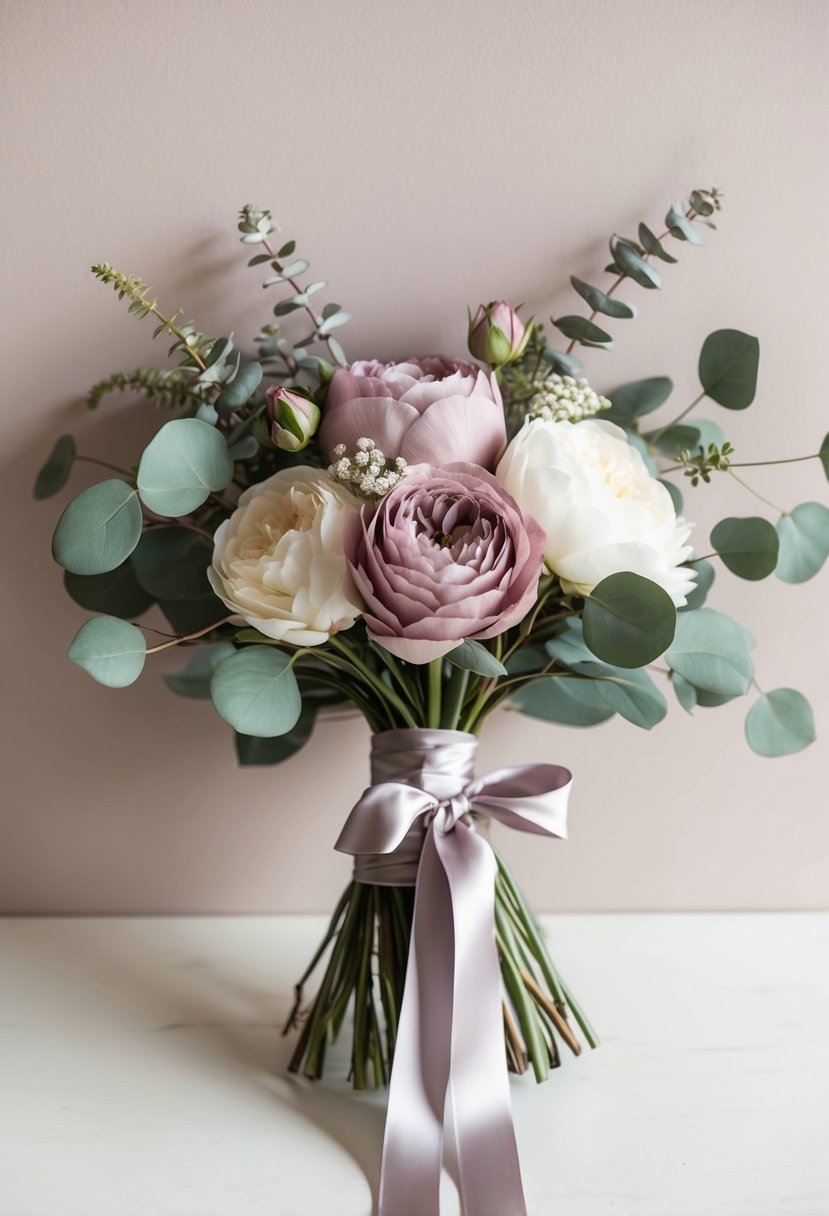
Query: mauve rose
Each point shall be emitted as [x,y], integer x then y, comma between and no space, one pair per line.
[447,555]
[429,411]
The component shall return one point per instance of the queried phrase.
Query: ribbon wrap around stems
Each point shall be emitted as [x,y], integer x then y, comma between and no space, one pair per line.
[450,1037]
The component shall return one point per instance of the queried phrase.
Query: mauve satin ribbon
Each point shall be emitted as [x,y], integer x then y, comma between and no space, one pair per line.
[450,1035]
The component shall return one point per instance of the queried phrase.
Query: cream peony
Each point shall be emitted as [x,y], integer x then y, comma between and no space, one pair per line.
[601,509]
[279,562]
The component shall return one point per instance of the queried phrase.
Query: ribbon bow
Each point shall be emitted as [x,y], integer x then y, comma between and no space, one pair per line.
[450,1036]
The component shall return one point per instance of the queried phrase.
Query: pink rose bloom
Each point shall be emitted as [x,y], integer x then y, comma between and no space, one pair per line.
[446,556]
[429,411]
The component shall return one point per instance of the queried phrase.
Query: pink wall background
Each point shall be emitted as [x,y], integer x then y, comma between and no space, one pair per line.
[426,156]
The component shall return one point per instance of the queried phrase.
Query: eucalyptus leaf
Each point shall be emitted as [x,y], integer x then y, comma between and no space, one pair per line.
[337,352]
[99,528]
[780,723]
[601,302]
[637,398]
[635,266]
[334,322]
[256,692]
[686,694]
[240,390]
[472,656]
[54,474]
[804,542]
[584,331]
[674,439]
[712,652]
[116,593]
[565,365]
[705,581]
[295,268]
[186,616]
[112,651]
[728,366]
[628,620]
[634,696]
[824,455]
[568,701]
[194,679]
[171,563]
[637,441]
[245,448]
[652,244]
[182,464]
[680,226]
[252,750]
[747,546]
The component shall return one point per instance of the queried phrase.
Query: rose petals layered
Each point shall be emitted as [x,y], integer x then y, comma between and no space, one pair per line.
[601,509]
[429,411]
[447,555]
[278,561]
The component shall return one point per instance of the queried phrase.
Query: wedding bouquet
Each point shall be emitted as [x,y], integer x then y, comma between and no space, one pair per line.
[427,540]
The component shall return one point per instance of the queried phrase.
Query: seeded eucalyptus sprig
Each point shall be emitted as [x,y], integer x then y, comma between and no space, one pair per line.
[257,227]
[631,260]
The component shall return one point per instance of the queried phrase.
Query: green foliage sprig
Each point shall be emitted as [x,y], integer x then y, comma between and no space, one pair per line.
[257,227]
[168,388]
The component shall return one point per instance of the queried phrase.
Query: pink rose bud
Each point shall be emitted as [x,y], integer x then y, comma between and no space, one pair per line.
[497,335]
[294,417]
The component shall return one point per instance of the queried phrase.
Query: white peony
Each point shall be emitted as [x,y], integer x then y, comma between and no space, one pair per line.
[600,507]
[279,562]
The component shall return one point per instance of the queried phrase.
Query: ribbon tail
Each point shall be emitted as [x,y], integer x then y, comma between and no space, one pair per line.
[413,1140]
[489,1169]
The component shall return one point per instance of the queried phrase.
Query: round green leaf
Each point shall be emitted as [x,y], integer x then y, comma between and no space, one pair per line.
[638,397]
[748,547]
[673,439]
[631,694]
[705,581]
[780,723]
[472,656]
[568,702]
[55,473]
[112,651]
[728,366]
[171,563]
[256,692]
[186,616]
[194,679]
[601,302]
[99,528]
[583,331]
[250,750]
[712,652]
[804,542]
[565,365]
[117,593]
[628,620]
[181,465]
[686,694]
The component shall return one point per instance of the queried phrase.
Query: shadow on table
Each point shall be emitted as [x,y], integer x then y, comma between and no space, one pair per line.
[224,1024]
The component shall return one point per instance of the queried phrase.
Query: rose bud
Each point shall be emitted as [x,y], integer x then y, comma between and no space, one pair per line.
[294,417]
[497,335]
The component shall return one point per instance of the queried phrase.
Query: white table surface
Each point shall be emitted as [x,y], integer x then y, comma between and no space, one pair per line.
[142,1073]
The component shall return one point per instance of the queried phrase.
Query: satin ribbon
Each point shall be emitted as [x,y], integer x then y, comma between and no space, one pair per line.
[450,1037]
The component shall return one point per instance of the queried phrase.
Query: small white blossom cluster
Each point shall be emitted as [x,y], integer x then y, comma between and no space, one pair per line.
[368,472]
[565,399]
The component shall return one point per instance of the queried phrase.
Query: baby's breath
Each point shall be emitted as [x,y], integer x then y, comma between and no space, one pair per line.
[368,472]
[565,399]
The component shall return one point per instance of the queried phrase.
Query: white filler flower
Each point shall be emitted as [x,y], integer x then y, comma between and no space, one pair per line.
[279,563]
[600,507]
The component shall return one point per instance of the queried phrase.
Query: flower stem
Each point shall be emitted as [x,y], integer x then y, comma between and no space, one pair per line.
[757,493]
[435,689]
[374,680]
[188,637]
